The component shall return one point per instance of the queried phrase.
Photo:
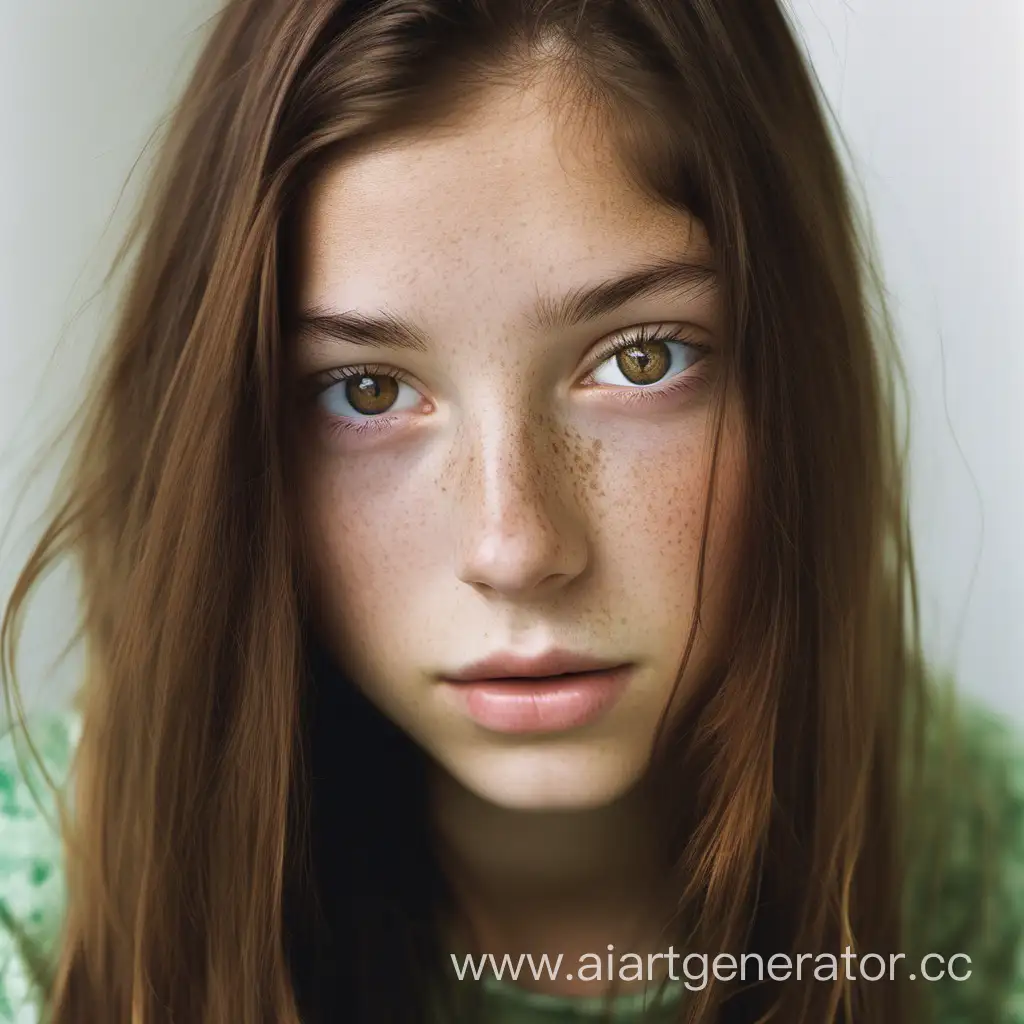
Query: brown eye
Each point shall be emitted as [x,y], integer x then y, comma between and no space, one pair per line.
[371,395]
[644,362]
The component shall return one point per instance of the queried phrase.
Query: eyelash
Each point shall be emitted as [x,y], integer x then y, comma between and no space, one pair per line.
[638,394]
[370,425]
[644,335]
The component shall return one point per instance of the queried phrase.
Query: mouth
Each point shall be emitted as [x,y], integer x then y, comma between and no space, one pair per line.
[549,665]
[525,701]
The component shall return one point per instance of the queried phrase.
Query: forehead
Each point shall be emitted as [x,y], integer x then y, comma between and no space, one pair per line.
[516,191]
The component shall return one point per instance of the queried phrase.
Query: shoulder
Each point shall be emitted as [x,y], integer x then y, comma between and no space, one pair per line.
[966,885]
[31,862]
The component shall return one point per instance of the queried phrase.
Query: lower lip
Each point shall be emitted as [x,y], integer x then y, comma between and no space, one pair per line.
[547,704]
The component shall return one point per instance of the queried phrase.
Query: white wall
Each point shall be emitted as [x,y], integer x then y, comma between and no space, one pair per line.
[929,95]
[82,87]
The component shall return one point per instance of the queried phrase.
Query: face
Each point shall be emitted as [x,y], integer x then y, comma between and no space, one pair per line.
[489,466]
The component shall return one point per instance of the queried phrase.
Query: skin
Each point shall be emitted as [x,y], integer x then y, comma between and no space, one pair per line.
[513,503]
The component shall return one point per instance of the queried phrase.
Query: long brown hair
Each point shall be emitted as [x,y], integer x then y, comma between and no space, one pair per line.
[190,862]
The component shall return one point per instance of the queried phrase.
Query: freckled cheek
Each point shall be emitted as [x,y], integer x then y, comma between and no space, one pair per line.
[647,503]
[371,530]
[650,497]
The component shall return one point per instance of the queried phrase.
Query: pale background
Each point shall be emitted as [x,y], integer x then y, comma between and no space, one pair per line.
[929,95]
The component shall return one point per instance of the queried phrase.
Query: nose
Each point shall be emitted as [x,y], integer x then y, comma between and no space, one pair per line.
[519,531]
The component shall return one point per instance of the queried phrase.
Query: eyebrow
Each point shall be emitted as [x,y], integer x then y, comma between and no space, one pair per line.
[579,306]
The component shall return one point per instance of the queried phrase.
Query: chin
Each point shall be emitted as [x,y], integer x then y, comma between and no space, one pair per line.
[549,779]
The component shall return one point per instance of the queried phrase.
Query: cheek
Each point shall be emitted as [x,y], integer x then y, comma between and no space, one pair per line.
[370,533]
[646,501]
[647,498]
[660,552]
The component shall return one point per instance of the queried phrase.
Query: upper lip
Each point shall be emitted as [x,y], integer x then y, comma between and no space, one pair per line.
[517,666]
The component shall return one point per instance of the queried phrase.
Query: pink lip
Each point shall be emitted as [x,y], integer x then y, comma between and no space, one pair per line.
[535,703]
[516,666]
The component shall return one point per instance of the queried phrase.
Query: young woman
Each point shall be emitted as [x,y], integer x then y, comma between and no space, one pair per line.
[493,540]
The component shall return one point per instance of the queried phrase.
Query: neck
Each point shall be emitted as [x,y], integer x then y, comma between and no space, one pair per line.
[569,882]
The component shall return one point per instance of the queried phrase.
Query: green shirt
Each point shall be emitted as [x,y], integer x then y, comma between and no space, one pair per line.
[986,921]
